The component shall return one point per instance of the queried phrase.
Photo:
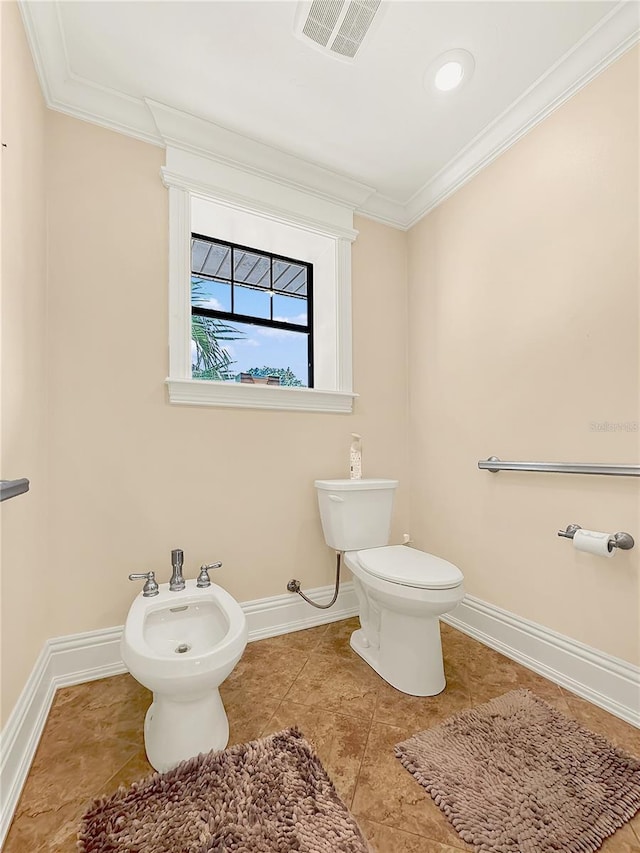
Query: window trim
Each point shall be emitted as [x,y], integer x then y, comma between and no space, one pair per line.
[188,176]
[199,392]
[233,316]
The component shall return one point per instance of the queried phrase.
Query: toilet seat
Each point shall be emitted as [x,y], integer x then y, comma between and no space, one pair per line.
[410,567]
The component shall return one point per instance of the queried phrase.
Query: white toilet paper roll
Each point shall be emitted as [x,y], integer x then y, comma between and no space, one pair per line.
[593,542]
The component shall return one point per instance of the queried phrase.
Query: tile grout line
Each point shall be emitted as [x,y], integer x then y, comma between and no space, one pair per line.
[443,844]
[266,726]
[300,671]
[364,751]
[105,783]
[396,828]
[309,656]
[305,658]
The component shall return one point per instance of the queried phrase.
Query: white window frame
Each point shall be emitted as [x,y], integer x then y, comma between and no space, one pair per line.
[191,178]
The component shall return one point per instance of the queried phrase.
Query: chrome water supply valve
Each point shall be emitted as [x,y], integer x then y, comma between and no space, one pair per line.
[294,586]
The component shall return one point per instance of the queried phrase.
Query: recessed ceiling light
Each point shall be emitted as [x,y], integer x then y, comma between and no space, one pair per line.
[450,70]
[448,76]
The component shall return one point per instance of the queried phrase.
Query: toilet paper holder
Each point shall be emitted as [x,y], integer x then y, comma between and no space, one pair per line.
[624,541]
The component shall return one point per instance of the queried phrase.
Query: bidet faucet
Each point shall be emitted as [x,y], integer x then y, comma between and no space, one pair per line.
[177,581]
[151,587]
[203,578]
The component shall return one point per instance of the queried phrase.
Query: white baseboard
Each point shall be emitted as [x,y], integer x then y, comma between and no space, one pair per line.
[20,737]
[62,661]
[606,681]
[96,654]
[602,679]
[281,614]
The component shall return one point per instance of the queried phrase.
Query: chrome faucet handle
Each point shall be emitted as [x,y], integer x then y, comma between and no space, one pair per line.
[203,578]
[151,587]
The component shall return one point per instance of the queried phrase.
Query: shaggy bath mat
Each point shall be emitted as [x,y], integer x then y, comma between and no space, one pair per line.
[517,776]
[268,796]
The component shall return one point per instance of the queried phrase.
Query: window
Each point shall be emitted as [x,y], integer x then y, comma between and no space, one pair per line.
[252,315]
[298,236]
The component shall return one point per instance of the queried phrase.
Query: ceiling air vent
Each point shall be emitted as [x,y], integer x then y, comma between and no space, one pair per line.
[335,26]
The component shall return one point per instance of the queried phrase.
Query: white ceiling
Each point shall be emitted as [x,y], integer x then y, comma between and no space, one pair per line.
[240,66]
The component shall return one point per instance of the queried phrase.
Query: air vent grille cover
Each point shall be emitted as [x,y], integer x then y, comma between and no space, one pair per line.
[322,20]
[336,26]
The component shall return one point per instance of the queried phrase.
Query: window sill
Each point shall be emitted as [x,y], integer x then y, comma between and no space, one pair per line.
[198,392]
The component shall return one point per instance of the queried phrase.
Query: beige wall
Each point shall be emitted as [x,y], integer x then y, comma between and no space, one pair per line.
[523,330]
[26,564]
[135,476]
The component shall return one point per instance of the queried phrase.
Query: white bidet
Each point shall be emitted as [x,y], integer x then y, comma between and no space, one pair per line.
[182,646]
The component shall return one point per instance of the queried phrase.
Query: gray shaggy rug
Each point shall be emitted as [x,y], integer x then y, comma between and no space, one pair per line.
[268,796]
[516,776]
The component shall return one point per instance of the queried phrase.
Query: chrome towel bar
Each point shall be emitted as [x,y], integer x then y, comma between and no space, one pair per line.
[494,465]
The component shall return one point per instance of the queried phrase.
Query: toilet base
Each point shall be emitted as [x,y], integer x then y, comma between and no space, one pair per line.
[177,728]
[409,660]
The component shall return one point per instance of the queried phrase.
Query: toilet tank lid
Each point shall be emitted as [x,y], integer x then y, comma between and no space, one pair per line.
[410,567]
[354,485]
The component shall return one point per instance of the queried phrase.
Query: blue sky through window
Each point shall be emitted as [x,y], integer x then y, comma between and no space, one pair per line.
[260,346]
[266,347]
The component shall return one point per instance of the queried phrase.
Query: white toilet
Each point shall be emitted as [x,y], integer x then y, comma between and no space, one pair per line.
[401,591]
[182,645]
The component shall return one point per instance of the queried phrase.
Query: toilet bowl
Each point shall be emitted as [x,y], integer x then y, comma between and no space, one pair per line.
[182,646]
[401,594]
[401,591]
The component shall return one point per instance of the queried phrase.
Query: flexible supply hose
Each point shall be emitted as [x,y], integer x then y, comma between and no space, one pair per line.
[294,586]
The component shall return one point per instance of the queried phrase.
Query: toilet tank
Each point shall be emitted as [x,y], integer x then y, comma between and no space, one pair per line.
[356,514]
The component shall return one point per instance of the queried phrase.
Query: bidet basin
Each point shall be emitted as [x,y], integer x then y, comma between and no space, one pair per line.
[189,629]
[182,645]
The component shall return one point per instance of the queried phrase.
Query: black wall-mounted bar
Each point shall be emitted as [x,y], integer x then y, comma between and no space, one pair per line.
[11,488]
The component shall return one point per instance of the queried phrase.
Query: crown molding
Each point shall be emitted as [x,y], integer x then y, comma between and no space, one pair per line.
[386,210]
[165,126]
[613,36]
[162,125]
[187,132]
[67,92]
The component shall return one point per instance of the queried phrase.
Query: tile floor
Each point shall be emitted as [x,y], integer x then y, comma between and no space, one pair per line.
[92,742]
